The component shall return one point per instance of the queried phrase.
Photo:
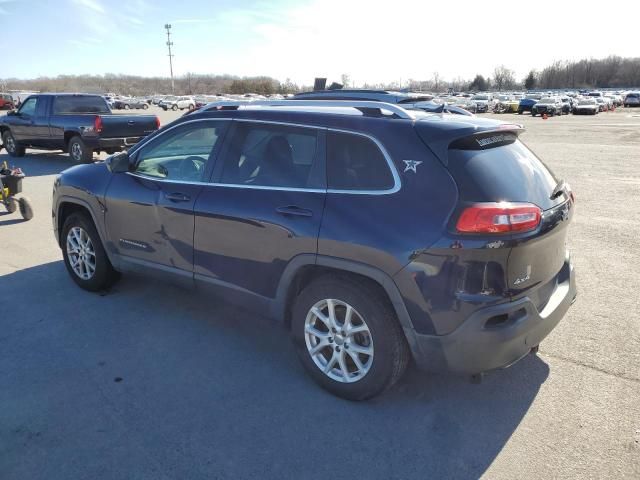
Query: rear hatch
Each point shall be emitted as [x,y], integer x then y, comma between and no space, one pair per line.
[496,168]
[128,126]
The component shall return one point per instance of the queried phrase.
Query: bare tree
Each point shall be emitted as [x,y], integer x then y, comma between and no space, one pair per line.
[503,78]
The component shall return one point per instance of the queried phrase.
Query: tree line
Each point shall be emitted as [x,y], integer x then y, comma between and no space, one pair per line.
[189,84]
[610,72]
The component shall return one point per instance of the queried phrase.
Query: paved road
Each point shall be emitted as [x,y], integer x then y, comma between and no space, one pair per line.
[153,382]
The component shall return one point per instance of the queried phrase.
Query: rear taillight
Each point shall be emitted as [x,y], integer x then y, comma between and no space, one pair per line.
[500,217]
[97,124]
[157,122]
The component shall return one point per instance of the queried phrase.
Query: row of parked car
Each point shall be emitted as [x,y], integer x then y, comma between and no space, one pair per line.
[551,103]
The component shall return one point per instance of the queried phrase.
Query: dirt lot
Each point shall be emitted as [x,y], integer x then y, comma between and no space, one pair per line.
[153,382]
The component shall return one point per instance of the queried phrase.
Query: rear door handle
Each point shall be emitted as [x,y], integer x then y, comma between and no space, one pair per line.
[177,197]
[294,210]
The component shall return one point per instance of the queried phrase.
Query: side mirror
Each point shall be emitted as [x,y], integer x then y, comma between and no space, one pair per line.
[118,162]
[12,113]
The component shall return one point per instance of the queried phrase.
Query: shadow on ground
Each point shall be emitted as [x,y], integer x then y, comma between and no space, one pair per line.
[150,381]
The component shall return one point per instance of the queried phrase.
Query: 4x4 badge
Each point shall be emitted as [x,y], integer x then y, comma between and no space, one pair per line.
[411,165]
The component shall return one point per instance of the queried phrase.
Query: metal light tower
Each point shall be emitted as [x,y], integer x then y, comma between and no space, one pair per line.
[169,44]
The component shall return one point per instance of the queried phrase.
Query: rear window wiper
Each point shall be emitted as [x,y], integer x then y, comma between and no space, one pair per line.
[558,190]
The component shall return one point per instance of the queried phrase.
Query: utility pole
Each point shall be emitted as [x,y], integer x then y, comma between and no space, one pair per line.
[169,43]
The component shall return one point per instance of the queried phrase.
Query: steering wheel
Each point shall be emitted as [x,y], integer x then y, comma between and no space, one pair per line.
[191,168]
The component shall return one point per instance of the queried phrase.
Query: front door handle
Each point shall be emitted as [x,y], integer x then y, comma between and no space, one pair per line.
[177,197]
[294,210]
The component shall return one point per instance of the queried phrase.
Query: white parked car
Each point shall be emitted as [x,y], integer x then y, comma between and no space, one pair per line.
[178,103]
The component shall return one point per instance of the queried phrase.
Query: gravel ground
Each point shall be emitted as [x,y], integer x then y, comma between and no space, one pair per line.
[151,382]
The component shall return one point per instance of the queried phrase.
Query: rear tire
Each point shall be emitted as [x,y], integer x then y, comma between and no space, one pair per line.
[145,106]
[174,108]
[361,364]
[78,151]
[10,145]
[25,208]
[103,274]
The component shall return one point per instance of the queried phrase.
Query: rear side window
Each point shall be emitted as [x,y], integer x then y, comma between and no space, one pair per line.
[500,168]
[355,162]
[73,104]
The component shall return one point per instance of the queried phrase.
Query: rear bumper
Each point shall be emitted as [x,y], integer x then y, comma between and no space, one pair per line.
[119,143]
[514,329]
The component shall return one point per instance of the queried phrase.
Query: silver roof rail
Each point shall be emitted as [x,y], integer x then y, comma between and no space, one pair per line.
[363,106]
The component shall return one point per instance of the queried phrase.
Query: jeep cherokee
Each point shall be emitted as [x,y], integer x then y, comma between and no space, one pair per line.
[377,235]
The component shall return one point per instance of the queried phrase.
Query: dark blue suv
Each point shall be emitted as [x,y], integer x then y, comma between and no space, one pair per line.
[376,235]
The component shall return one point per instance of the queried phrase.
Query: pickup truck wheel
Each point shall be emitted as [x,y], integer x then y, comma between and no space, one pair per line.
[78,151]
[174,107]
[84,255]
[348,338]
[10,145]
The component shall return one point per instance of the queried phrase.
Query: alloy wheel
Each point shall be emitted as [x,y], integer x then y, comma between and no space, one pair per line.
[338,340]
[76,151]
[10,144]
[81,253]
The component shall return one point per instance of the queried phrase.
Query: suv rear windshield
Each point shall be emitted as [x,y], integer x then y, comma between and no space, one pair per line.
[508,171]
[86,104]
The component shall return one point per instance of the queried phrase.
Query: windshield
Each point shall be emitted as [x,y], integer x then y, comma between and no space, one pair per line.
[480,97]
[548,100]
[80,104]
[587,102]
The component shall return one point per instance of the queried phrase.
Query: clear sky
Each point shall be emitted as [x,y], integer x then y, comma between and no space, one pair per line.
[374,41]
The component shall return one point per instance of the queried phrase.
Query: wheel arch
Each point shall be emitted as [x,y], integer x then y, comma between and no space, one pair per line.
[67,206]
[305,268]
[68,135]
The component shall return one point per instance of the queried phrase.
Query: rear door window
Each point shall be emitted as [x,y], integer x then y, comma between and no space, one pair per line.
[355,162]
[272,156]
[497,168]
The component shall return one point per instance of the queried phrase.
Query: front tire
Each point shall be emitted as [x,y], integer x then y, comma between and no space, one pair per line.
[79,152]
[174,108]
[11,204]
[84,255]
[348,338]
[10,145]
